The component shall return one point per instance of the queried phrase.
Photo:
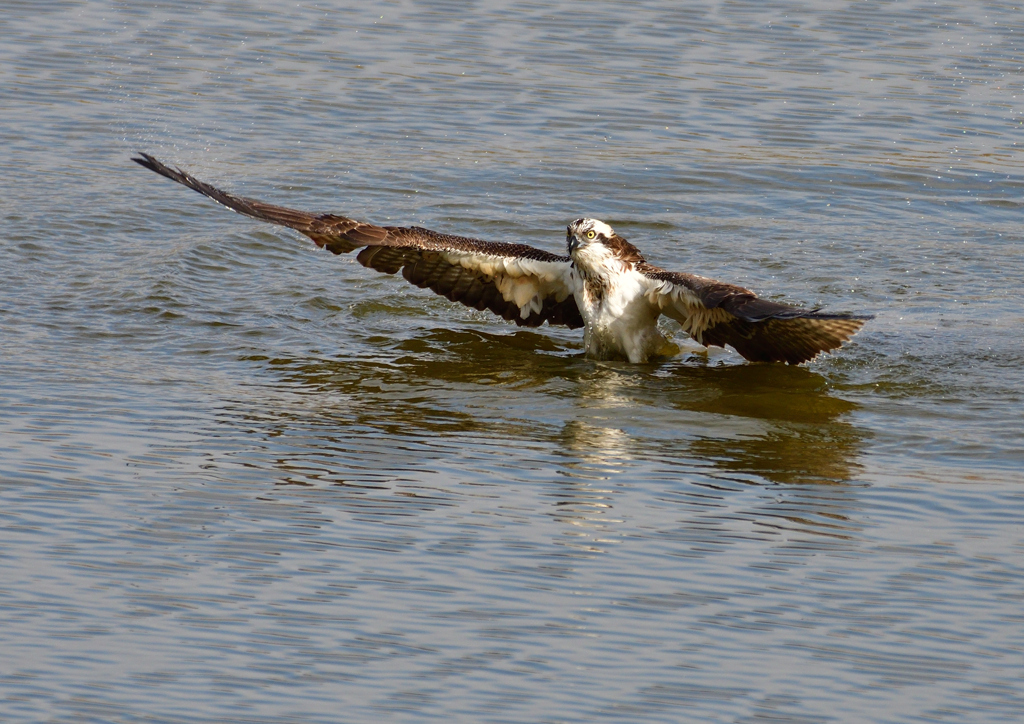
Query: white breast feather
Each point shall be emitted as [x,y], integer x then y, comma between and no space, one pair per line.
[623,321]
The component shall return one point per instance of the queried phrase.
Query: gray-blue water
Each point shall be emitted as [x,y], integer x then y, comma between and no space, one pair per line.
[242,480]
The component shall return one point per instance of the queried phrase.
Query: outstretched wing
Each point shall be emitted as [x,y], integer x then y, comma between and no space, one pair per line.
[715,313]
[517,282]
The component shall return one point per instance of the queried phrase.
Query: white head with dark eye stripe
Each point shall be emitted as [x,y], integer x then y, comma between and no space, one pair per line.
[584,232]
[596,248]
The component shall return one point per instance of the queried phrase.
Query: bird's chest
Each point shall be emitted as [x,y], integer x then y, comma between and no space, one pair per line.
[619,320]
[607,300]
[593,293]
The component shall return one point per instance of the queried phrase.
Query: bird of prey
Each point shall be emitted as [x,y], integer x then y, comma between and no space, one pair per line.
[603,285]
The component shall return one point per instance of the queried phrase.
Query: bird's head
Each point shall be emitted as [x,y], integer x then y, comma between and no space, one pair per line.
[585,232]
[590,240]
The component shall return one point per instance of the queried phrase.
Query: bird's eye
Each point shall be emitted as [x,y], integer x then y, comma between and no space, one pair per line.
[591,234]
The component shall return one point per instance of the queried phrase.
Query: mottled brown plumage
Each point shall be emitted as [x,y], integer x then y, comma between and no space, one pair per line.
[759,329]
[624,251]
[412,250]
[605,285]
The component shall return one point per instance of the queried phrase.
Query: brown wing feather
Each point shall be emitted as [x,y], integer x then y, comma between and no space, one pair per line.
[792,340]
[425,257]
[716,313]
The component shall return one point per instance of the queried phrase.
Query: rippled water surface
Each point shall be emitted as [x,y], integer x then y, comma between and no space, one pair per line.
[242,480]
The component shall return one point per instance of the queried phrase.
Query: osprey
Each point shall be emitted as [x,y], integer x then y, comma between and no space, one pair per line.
[604,285]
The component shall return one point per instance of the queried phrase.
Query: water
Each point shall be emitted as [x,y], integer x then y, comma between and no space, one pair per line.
[246,481]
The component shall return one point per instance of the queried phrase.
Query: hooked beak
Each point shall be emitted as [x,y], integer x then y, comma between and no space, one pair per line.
[571,241]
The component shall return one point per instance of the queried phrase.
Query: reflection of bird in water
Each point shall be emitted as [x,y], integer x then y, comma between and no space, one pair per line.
[603,285]
[593,456]
[789,427]
[780,424]
[595,441]
[696,436]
